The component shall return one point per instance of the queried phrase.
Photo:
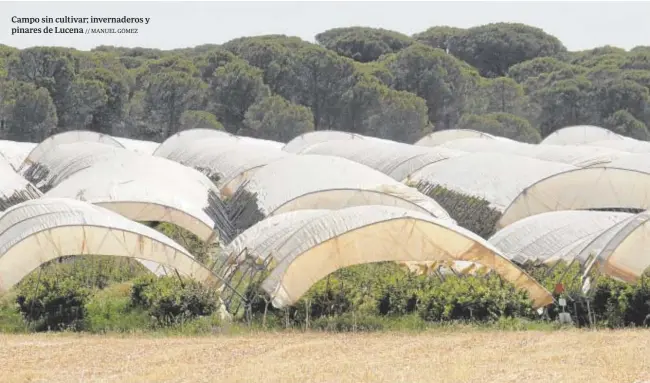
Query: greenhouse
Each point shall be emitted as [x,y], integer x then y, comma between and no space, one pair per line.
[610,241]
[308,245]
[38,231]
[61,161]
[151,189]
[71,137]
[14,152]
[333,199]
[580,135]
[305,140]
[325,182]
[14,189]
[554,236]
[626,145]
[226,163]
[603,188]
[178,142]
[442,136]
[580,156]
[391,158]
[494,177]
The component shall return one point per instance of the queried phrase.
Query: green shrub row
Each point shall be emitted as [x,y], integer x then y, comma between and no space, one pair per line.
[111,294]
[105,293]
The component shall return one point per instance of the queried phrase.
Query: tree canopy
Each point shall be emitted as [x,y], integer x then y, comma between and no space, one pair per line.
[508,79]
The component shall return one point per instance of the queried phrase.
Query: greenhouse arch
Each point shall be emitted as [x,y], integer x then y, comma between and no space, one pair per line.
[582,189]
[69,137]
[34,233]
[336,239]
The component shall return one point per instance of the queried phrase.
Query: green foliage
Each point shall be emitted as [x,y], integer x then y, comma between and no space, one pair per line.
[53,297]
[28,112]
[359,79]
[11,320]
[494,48]
[363,44]
[536,67]
[623,122]
[275,118]
[445,83]
[473,298]
[189,241]
[472,213]
[198,119]
[50,303]
[111,310]
[169,300]
[233,89]
[501,124]
[368,297]
[441,37]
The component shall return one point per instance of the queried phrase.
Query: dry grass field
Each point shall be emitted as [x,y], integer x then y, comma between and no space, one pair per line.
[436,356]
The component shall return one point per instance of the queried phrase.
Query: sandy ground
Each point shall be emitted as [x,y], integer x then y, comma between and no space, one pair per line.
[562,356]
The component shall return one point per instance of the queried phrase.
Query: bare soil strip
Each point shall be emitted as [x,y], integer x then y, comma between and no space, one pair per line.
[461,356]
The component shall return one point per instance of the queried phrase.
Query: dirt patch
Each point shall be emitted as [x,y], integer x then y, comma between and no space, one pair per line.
[473,356]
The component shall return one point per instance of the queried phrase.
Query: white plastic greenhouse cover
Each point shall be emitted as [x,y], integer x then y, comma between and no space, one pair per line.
[496,178]
[230,162]
[178,140]
[73,136]
[442,136]
[579,135]
[624,256]
[325,182]
[15,152]
[638,162]
[61,161]
[394,159]
[580,156]
[308,246]
[14,189]
[626,144]
[140,146]
[37,231]
[307,139]
[554,235]
[582,189]
[260,142]
[145,188]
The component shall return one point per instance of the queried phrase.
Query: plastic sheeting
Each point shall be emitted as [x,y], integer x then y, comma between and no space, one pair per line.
[139,146]
[582,189]
[442,136]
[227,162]
[496,178]
[548,237]
[307,246]
[579,135]
[626,144]
[179,139]
[14,189]
[638,162]
[61,161]
[307,139]
[580,156]
[37,231]
[73,136]
[146,188]
[391,158]
[618,241]
[625,255]
[15,152]
[324,182]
